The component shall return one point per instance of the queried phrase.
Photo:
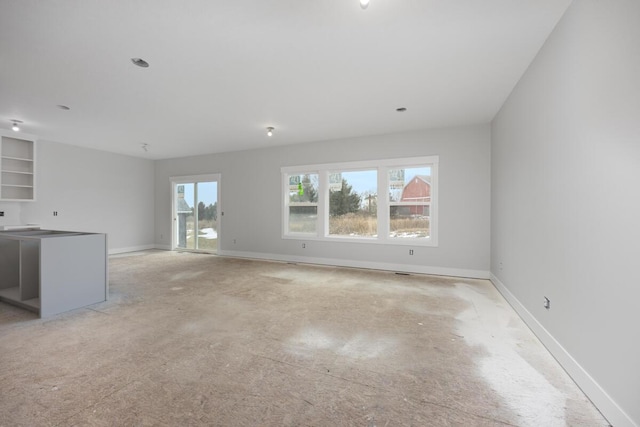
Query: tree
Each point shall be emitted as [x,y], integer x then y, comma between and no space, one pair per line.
[201,210]
[207,213]
[309,193]
[343,201]
[212,211]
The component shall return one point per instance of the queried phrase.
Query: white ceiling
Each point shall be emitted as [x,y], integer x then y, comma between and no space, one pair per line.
[222,71]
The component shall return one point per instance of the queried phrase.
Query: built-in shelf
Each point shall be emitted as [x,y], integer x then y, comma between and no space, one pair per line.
[17,167]
[33,303]
[21,159]
[23,173]
[10,293]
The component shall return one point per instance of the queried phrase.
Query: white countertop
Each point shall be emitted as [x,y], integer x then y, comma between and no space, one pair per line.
[20,227]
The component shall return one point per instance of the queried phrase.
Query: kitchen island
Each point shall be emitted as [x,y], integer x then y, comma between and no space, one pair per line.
[51,271]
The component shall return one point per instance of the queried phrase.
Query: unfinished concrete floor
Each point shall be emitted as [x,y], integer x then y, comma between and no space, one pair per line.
[192,339]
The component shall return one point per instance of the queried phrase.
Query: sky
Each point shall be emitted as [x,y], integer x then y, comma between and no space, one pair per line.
[361,181]
[207,193]
[366,181]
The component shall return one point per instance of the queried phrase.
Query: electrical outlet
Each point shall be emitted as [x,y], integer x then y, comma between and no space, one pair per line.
[161,236]
[547,303]
[55,213]
[234,241]
[304,245]
[410,251]
[500,266]
[1,213]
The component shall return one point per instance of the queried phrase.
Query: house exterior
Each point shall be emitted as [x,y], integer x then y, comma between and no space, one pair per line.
[418,191]
[183,210]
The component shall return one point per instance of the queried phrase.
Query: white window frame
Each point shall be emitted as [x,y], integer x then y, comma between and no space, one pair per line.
[286,192]
[194,179]
[327,206]
[382,166]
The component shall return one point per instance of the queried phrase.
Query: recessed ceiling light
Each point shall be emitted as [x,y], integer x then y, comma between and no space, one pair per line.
[63,107]
[140,62]
[401,109]
[270,130]
[364,4]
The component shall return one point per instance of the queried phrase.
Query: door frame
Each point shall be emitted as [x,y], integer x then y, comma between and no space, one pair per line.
[174,181]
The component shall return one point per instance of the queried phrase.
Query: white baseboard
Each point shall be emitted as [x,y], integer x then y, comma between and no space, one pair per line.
[403,268]
[605,404]
[131,249]
[163,247]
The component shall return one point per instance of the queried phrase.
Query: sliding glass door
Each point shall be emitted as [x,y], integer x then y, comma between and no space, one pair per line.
[195,206]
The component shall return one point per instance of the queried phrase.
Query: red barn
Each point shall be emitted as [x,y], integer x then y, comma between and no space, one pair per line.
[417,190]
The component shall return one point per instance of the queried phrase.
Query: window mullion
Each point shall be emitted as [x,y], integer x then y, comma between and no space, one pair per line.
[323,204]
[433,205]
[285,196]
[383,203]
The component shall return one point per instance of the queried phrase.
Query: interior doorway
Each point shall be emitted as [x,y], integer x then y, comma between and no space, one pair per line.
[195,212]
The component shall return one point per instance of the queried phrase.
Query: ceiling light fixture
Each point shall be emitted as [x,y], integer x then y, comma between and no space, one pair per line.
[140,62]
[401,109]
[63,107]
[145,147]
[15,126]
[364,4]
[270,130]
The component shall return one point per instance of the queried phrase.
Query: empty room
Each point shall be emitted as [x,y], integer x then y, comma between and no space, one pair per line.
[330,213]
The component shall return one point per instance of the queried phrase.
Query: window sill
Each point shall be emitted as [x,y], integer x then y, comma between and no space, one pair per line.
[393,241]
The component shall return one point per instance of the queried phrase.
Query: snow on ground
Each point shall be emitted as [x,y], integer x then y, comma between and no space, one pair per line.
[208,233]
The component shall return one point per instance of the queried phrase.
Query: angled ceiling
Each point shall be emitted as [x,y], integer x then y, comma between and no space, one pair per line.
[222,71]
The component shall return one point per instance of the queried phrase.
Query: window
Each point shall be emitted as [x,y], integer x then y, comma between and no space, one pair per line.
[303,203]
[409,202]
[352,203]
[383,201]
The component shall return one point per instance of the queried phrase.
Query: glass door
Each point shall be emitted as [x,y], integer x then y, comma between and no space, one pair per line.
[185,216]
[195,213]
[207,216]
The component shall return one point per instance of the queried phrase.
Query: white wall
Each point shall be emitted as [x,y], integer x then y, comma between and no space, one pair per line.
[93,191]
[251,200]
[11,211]
[566,200]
